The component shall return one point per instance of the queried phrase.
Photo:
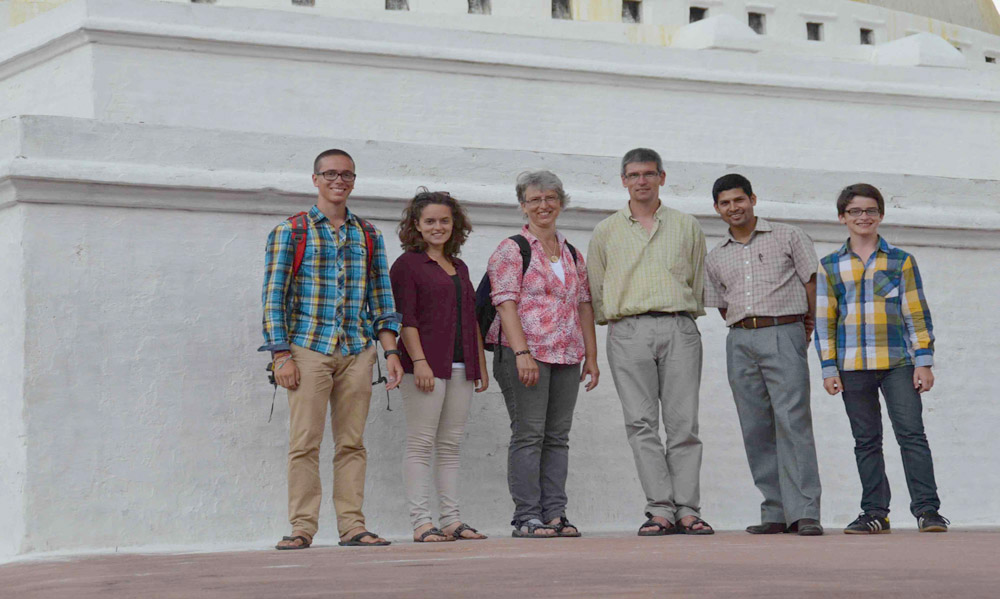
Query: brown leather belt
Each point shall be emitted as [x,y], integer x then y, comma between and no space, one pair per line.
[759,322]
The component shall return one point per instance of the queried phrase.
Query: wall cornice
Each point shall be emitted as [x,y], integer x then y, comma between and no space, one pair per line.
[296,37]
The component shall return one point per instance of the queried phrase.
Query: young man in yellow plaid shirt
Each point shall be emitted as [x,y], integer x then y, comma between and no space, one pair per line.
[874,332]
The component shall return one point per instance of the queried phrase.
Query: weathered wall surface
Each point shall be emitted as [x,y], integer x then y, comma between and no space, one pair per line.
[137,404]
[13,442]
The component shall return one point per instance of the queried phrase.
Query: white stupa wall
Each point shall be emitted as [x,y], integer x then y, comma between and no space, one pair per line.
[136,198]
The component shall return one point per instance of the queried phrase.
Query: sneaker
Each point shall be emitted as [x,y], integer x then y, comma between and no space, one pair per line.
[931,521]
[867,524]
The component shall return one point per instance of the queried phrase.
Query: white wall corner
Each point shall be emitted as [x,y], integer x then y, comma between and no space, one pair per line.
[919,50]
[723,32]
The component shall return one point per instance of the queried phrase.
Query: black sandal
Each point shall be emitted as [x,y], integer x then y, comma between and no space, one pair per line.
[357,542]
[432,532]
[306,542]
[532,525]
[457,533]
[563,524]
[691,530]
[661,529]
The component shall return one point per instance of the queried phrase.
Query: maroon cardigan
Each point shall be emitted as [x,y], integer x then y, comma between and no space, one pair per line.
[425,296]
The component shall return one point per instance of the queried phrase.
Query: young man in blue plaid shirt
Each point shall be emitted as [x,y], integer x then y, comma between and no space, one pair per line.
[874,332]
[320,325]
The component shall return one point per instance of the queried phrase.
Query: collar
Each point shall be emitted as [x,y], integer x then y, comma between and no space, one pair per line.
[658,215]
[316,215]
[883,246]
[762,226]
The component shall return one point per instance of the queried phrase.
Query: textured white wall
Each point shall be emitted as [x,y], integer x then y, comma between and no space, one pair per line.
[13,442]
[142,225]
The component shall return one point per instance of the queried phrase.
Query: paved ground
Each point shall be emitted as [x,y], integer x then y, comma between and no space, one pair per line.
[730,564]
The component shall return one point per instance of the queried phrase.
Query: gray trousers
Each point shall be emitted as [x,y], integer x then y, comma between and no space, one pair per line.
[769,375]
[656,365]
[540,419]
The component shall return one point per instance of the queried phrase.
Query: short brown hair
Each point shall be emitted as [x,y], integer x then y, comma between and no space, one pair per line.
[859,189]
[410,238]
[331,152]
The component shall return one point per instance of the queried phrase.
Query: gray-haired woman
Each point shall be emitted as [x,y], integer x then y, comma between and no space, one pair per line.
[544,331]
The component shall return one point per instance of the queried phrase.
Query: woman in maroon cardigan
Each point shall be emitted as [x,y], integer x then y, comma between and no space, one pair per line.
[442,355]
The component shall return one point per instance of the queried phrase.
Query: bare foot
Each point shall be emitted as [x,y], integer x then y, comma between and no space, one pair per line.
[567,530]
[294,542]
[434,537]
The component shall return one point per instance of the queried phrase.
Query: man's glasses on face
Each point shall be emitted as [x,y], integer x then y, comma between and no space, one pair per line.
[332,175]
[633,177]
[856,212]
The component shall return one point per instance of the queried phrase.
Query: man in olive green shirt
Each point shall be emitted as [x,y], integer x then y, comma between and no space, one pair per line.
[646,268]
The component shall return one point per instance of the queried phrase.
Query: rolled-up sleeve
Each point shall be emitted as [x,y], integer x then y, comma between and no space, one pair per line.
[380,301]
[504,270]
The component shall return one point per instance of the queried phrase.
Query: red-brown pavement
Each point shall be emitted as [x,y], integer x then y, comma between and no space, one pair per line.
[728,564]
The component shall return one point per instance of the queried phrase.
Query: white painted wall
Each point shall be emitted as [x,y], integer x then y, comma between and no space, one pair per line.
[13,441]
[141,226]
[145,403]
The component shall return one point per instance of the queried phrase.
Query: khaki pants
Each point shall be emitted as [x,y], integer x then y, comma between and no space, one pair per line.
[656,365]
[345,383]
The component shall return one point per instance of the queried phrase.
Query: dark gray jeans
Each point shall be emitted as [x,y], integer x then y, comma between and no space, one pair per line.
[540,419]
[903,403]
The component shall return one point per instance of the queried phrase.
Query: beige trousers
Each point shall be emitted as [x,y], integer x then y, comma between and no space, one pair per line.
[345,384]
[434,421]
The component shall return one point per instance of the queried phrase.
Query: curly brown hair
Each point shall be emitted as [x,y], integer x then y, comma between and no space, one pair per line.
[410,238]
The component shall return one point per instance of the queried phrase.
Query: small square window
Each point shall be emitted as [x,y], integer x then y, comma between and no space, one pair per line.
[991,59]
[480,7]
[867,37]
[631,11]
[814,32]
[560,9]
[757,22]
[397,5]
[697,13]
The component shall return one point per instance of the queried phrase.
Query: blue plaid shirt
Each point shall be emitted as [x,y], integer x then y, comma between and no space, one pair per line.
[331,305]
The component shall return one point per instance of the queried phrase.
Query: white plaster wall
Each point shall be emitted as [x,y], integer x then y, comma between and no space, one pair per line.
[13,442]
[146,405]
[145,402]
[61,85]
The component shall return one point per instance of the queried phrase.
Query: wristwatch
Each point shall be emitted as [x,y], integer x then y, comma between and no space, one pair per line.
[391,352]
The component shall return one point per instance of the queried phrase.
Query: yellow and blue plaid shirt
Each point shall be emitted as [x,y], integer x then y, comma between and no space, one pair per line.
[871,316]
[332,305]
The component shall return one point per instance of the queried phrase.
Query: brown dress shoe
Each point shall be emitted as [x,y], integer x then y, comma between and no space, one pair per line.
[809,528]
[767,528]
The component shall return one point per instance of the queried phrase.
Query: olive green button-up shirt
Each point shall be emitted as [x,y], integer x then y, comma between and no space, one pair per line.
[632,272]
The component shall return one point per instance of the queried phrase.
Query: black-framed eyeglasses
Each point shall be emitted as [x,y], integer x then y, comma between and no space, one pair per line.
[332,175]
[856,212]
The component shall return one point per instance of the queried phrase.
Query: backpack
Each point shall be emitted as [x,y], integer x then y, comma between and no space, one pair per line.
[300,229]
[486,312]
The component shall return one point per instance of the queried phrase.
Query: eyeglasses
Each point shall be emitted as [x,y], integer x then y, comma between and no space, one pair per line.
[633,177]
[537,201]
[346,176]
[856,212]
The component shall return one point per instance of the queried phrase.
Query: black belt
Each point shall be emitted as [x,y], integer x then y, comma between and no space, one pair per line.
[661,314]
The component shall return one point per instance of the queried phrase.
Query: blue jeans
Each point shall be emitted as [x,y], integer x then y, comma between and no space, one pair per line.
[904,406]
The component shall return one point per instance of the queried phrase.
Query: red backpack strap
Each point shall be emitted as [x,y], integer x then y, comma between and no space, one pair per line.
[369,230]
[300,230]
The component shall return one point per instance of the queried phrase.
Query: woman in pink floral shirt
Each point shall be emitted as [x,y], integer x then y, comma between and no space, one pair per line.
[544,329]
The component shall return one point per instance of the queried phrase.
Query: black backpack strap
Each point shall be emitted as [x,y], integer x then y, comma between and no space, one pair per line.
[522,242]
[572,251]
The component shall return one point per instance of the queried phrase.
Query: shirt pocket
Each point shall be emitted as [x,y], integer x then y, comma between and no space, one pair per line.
[886,284]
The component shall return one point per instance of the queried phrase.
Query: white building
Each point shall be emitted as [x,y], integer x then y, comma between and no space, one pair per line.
[146,149]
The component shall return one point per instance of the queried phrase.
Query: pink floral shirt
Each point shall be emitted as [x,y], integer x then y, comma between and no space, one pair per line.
[549,308]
